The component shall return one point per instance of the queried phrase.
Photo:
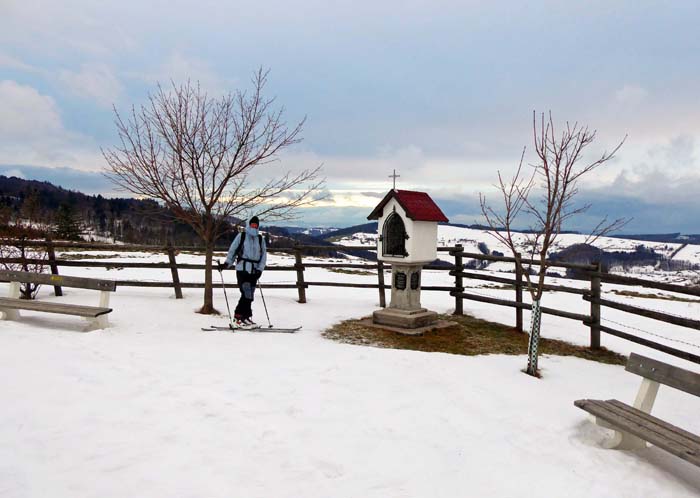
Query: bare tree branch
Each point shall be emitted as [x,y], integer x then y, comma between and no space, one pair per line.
[548,197]
[206,159]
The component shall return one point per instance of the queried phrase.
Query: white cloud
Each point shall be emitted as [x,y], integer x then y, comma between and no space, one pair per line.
[94,81]
[631,95]
[12,172]
[32,131]
[13,63]
[450,176]
[26,114]
[180,68]
[68,26]
[667,173]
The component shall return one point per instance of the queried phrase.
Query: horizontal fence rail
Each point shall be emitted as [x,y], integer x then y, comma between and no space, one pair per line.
[679,353]
[523,306]
[592,294]
[525,261]
[656,315]
[650,284]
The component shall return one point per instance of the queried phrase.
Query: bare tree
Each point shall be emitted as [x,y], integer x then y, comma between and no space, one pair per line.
[196,154]
[16,246]
[546,196]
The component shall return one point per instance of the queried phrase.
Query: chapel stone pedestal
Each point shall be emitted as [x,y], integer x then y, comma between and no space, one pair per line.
[405,311]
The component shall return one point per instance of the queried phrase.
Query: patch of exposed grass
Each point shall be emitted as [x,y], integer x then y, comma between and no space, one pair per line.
[350,271]
[493,287]
[81,256]
[471,336]
[663,297]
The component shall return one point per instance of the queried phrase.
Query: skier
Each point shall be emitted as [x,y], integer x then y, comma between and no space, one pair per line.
[249,252]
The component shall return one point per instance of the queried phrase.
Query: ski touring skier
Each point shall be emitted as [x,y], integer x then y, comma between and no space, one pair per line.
[248,252]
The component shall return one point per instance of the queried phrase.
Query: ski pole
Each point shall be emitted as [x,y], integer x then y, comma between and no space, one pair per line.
[223,286]
[269,325]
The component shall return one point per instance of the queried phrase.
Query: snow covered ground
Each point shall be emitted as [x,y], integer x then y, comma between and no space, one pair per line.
[154,407]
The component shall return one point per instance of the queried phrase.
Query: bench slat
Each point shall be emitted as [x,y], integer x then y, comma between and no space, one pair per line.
[682,433]
[62,280]
[660,372]
[651,423]
[645,426]
[61,308]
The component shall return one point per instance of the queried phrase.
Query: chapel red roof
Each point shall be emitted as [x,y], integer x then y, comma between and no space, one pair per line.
[418,206]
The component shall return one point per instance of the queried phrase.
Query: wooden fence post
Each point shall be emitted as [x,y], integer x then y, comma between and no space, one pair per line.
[459,268]
[301,286]
[380,277]
[595,307]
[518,292]
[173,271]
[52,263]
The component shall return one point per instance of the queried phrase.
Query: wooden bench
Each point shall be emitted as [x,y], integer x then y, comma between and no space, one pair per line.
[96,315]
[634,425]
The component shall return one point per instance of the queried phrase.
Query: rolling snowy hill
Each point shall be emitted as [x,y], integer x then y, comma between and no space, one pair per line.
[470,238]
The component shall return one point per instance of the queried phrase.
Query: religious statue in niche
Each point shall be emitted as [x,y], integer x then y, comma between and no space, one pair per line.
[394,237]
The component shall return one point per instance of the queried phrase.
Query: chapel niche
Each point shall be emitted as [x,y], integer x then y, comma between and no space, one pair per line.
[394,237]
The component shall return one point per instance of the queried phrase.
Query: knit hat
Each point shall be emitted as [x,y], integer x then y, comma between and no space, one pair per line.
[255,220]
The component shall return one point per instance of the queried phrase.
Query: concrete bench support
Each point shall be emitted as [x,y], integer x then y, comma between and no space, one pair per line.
[644,402]
[10,314]
[96,316]
[634,425]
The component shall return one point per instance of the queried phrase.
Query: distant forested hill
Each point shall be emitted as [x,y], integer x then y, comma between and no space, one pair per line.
[44,205]
[42,208]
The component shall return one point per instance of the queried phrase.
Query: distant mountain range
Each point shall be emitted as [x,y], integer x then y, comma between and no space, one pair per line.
[145,221]
[677,238]
[40,205]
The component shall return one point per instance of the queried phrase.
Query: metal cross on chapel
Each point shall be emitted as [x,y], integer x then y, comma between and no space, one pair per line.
[394,176]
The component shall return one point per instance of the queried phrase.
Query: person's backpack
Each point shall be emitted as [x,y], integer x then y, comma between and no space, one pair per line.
[241,245]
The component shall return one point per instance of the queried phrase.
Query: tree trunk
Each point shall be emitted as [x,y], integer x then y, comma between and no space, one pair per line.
[208,306]
[533,344]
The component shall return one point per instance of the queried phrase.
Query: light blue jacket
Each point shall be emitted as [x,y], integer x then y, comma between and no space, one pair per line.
[251,250]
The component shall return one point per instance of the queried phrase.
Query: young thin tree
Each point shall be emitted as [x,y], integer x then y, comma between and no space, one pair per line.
[546,196]
[15,246]
[196,155]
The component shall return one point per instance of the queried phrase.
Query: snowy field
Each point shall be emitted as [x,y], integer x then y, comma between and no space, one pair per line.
[471,238]
[153,407]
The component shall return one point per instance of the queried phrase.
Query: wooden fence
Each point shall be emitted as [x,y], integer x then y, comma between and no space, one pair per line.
[591,294]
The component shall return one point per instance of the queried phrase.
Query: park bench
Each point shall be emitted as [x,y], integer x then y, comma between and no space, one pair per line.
[96,315]
[633,425]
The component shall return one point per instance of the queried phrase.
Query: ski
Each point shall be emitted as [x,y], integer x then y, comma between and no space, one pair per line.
[208,329]
[256,329]
[229,328]
[277,329]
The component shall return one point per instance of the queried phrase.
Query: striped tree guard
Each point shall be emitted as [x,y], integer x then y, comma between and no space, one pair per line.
[534,342]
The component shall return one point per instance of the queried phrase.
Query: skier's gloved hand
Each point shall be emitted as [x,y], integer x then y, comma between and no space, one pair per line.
[256,273]
[220,266]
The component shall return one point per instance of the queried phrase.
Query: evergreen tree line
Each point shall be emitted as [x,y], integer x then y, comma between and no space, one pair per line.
[641,256]
[42,208]
[34,209]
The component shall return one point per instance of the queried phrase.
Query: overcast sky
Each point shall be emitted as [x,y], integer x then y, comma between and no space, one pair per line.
[442,91]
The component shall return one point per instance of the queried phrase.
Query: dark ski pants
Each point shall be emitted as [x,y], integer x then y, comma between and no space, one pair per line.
[246,284]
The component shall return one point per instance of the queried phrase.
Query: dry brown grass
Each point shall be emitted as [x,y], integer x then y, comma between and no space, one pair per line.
[663,297]
[469,337]
[74,256]
[350,271]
